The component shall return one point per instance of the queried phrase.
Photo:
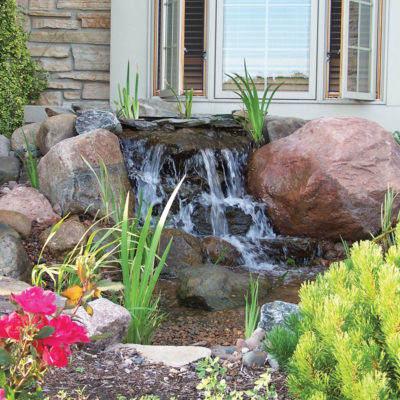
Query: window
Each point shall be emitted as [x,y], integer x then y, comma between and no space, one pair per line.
[278,39]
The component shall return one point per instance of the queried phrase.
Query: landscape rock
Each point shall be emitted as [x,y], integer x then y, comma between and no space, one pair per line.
[90,120]
[157,107]
[185,249]
[7,230]
[4,146]
[276,128]
[16,221]
[67,181]
[254,359]
[218,249]
[172,356]
[328,179]
[54,130]
[9,169]
[213,287]
[253,342]
[7,286]
[274,313]
[138,124]
[67,236]
[14,261]
[29,202]
[108,319]
[31,132]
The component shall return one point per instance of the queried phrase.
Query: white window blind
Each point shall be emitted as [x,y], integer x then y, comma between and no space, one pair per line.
[273,36]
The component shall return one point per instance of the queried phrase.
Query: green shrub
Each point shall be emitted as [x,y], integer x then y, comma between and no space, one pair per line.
[21,81]
[349,347]
[281,341]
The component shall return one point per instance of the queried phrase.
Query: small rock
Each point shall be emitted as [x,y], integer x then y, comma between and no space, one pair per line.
[9,169]
[68,235]
[156,107]
[172,356]
[17,221]
[253,342]
[254,359]
[7,286]
[90,120]
[108,319]
[272,362]
[274,313]
[279,127]
[14,261]
[54,130]
[29,202]
[31,132]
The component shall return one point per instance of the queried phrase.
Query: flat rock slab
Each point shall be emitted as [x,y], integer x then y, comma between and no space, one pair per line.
[172,356]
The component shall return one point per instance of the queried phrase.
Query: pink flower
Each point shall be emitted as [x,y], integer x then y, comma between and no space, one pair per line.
[66,332]
[2,394]
[55,356]
[35,300]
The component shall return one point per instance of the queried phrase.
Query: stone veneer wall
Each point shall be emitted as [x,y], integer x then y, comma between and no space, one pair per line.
[71,40]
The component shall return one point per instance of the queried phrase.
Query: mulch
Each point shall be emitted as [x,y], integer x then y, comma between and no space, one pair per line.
[107,375]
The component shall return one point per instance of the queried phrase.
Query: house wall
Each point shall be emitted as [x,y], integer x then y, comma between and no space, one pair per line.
[134,19]
[71,40]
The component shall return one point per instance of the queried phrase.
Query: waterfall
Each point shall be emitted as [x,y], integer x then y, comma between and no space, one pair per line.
[212,201]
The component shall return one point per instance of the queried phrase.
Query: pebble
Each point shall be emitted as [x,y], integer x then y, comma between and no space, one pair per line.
[254,358]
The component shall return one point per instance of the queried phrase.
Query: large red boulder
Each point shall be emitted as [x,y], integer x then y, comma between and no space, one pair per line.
[329,178]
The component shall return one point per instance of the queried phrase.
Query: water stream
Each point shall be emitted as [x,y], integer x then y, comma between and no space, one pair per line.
[213,201]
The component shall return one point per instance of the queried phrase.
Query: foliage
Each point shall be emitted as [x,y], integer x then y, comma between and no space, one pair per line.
[386,238]
[349,345]
[30,164]
[215,388]
[281,341]
[32,342]
[21,80]
[139,274]
[252,310]
[185,108]
[256,108]
[396,136]
[128,106]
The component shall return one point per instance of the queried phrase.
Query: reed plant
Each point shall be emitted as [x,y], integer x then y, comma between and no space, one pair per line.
[129,106]
[256,108]
[138,254]
[252,310]
[30,163]
[184,107]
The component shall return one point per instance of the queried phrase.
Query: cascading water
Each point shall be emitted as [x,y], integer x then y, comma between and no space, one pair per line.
[211,202]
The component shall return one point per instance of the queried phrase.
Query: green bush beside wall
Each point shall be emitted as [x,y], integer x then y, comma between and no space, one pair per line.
[21,80]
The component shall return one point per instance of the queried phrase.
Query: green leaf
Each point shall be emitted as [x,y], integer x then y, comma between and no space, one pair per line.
[105,284]
[5,357]
[45,332]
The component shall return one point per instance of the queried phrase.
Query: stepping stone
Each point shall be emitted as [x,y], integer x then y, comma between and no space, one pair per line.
[172,356]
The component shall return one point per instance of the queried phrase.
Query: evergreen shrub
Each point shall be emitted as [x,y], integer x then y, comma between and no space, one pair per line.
[21,80]
[349,342]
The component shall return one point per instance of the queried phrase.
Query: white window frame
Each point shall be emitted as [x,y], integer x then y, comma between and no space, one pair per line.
[346,94]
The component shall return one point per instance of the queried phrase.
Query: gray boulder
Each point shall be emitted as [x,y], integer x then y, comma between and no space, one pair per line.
[108,319]
[67,181]
[254,359]
[274,313]
[14,261]
[90,120]
[156,107]
[15,220]
[279,127]
[4,146]
[185,249]
[55,129]
[9,169]
[213,287]
[31,132]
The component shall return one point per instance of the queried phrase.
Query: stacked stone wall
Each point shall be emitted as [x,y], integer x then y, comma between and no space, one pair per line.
[71,41]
